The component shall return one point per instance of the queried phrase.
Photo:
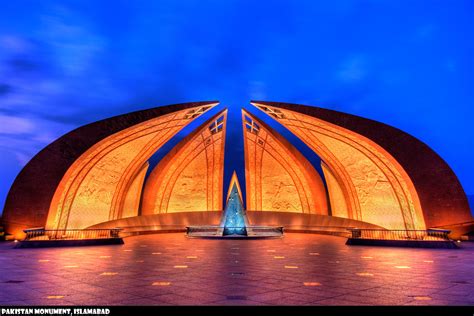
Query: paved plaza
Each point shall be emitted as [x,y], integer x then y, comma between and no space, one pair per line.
[298,269]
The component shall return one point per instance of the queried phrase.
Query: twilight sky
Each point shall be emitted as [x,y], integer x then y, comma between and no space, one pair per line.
[405,63]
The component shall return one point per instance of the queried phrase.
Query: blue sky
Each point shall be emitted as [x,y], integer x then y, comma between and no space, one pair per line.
[67,63]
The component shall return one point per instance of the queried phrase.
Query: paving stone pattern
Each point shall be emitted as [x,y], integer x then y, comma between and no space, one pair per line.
[298,269]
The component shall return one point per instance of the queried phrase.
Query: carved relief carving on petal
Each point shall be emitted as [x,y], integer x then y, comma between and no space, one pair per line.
[382,191]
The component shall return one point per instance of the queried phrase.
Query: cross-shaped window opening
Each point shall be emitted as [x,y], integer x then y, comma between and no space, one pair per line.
[217,125]
[273,112]
[196,112]
[251,126]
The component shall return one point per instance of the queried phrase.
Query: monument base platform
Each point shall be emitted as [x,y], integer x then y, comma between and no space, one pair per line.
[447,244]
[217,232]
[69,242]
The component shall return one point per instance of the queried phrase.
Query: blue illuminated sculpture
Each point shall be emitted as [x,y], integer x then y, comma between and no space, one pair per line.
[234,222]
[234,218]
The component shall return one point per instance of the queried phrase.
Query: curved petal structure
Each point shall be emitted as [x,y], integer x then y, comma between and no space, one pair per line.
[376,173]
[373,175]
[189,178]
[278,177]
[83,177]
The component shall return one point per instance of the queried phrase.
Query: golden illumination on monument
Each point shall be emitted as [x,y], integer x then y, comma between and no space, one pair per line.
[278,177]
[190,177]
[94,189]
[364,181]
[100,176]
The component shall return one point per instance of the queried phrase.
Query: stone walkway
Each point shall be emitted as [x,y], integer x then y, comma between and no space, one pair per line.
[299,269]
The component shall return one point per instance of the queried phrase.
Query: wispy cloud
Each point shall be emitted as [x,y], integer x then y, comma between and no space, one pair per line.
[353,69]
[15,125]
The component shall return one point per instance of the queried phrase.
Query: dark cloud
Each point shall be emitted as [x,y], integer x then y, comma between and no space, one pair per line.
[5,89]
[22,64]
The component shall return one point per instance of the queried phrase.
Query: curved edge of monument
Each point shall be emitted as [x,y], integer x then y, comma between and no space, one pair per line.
[31,193]
[442,197]
[177,222]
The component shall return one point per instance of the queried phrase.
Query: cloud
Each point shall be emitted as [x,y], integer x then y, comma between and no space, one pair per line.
[26,136]
[72,38]
[15,125]
[14,44]
[23,65]
[4,89]
[55,72]
[353,69]
[22,158]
